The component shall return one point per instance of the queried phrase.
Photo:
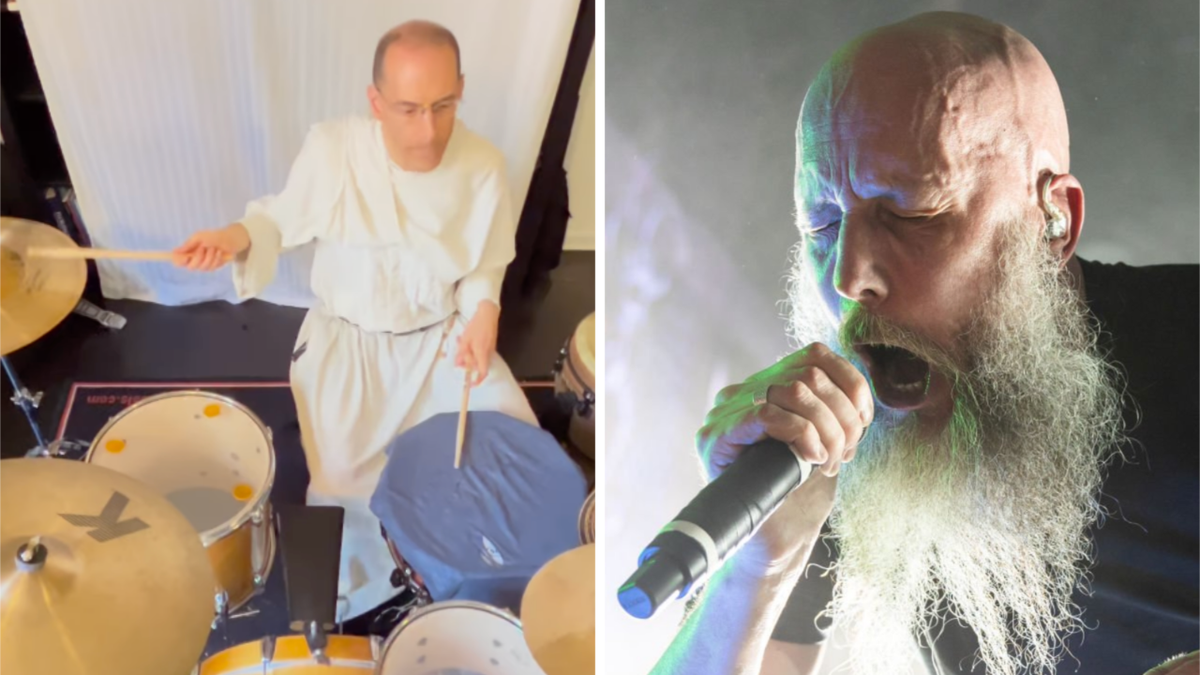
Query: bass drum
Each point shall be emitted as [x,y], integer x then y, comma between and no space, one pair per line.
[289,655]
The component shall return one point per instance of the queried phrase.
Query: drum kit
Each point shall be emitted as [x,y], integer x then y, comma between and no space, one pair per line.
[123,563]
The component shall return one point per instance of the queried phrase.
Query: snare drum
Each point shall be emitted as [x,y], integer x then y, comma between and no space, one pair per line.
[587,520]
[348,655]
[213,460]
[457,637]
[575,384]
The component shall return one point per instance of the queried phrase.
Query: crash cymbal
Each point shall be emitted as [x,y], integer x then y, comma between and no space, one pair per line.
[36,294]
[558,613]
[99,574]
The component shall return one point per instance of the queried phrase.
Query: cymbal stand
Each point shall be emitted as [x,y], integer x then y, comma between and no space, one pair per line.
[26,401]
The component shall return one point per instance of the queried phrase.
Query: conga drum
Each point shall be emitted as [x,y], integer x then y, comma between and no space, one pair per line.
[575,385]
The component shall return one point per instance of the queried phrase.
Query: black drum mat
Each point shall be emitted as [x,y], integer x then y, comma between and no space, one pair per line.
[90,405]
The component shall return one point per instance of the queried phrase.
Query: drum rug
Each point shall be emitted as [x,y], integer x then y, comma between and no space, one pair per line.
[89,406]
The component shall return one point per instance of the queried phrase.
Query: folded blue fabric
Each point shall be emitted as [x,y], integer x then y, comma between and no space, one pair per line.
[479,532]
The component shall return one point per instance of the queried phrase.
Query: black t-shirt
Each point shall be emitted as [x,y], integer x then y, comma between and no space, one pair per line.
[1145,601]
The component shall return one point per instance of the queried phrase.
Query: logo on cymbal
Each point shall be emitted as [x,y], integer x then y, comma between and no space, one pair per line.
[108,525]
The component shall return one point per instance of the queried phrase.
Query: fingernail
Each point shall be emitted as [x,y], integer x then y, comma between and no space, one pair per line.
[823,454]
[865,417]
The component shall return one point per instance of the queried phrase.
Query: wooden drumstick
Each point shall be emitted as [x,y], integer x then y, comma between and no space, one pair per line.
[462,420]
[65,253]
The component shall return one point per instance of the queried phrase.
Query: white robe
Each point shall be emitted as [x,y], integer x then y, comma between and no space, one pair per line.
[401,262]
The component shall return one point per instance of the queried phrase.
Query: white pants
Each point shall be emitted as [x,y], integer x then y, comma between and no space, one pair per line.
[356,391]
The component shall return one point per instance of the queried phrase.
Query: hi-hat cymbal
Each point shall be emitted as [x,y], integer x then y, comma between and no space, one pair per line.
[558,613]
[36,294]
[99,574]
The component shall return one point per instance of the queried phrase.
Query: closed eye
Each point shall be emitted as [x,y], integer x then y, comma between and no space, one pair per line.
[826,233]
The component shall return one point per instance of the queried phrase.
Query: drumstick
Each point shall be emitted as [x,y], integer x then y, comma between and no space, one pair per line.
[75,253]
[462,420]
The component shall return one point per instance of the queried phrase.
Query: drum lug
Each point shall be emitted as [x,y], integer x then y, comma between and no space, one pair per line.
[267,646]
[221,604]
[562,358]
[264,546]
[318,642]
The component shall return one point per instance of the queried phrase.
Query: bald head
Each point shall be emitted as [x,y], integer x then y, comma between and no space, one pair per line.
[417,34]
[965,94]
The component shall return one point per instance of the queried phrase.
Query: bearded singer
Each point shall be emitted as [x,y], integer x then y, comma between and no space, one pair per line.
[1013,482]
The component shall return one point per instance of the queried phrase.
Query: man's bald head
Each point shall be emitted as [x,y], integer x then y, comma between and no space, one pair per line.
[416,34]
[961,88]
[417,86]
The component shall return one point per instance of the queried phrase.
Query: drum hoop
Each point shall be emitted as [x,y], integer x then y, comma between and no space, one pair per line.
[336,658]
[583,517]
[578,336]
[212,536]
[589,392]
[420,590]
[417,613]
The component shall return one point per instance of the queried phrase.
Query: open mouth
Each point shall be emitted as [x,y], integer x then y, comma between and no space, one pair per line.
[899,377]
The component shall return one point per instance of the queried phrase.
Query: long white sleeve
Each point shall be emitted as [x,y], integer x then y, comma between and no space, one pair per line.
[486,280]
[294,216]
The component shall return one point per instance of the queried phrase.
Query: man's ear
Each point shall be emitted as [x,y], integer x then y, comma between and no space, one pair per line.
[1066,193]
[376,101]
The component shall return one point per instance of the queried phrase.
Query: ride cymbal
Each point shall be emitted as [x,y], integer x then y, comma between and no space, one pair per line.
[36,294]
[99,574]
[558,613]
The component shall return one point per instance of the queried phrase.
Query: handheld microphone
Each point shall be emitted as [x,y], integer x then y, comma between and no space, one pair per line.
[712,526]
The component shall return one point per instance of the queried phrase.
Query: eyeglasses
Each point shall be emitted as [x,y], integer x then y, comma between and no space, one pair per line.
[413,112]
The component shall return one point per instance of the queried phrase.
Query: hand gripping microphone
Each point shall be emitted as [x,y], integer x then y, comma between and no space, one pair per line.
[712,526]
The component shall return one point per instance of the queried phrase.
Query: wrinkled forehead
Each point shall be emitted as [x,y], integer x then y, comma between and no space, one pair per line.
[894,117]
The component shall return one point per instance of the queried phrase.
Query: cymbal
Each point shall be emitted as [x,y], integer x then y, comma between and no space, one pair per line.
[36,294]
[558,613]
[116,580]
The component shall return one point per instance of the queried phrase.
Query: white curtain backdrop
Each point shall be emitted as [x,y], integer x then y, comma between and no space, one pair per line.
[173,115]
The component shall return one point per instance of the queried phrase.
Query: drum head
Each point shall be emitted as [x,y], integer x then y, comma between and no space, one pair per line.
[209,455]
[466,638]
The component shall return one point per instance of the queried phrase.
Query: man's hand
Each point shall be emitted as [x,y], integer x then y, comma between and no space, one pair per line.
[209,250]
[478,341]
[818,404]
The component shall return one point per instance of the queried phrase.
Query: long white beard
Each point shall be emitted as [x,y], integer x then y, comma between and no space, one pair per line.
[991,514]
